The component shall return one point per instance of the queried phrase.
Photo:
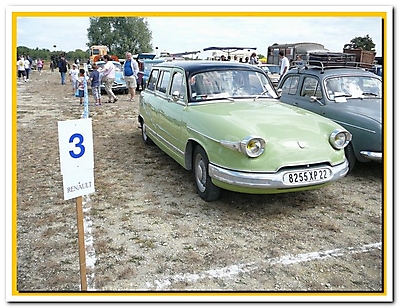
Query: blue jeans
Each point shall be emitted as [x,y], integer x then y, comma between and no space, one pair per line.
[63,74]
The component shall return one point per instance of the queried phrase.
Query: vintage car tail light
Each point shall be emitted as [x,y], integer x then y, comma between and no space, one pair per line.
[339,139]
[252,146]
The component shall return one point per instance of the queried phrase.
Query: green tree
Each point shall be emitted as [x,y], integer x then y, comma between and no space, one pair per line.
[78,54]
[366,43]
[120,34]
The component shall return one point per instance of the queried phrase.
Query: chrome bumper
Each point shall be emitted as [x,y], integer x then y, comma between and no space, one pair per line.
[376,156]
[270,180]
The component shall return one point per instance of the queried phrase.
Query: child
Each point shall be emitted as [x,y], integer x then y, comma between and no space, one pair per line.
[73,77]
[81,87]
[95,84]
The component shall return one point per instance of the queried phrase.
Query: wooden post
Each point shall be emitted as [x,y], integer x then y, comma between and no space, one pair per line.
[81,240]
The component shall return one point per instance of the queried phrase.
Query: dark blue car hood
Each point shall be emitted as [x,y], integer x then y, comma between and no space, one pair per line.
[371,108]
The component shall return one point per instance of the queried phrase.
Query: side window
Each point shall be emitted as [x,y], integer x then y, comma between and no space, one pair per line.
[178,84]
[310,87]
[290,85]
[153,80]
[163,81]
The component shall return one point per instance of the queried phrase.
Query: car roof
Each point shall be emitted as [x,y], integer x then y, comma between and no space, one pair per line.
[330,71]
[199,66]
[152,60]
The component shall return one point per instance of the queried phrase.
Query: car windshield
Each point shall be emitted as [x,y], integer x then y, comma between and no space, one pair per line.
[353,87]
[229,84]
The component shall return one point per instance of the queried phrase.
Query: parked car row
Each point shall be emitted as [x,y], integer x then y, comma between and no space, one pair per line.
[223,121]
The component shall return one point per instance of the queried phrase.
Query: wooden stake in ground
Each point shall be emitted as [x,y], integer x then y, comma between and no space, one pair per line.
[81,240]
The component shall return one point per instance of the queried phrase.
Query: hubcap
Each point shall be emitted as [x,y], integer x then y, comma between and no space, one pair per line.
[200,173]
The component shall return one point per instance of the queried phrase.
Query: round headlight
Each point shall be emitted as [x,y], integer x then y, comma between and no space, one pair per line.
[253,146]
[340,139]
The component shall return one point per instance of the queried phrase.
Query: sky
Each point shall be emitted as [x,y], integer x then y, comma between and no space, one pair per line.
[180,34]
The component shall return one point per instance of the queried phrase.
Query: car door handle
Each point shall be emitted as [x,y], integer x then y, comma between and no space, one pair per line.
[295,104]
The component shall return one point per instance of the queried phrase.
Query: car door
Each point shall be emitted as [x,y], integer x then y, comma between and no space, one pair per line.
[171,111]
[151,101]
[297,90]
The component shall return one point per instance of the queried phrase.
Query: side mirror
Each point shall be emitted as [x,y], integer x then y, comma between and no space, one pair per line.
[175,95]
[279,92]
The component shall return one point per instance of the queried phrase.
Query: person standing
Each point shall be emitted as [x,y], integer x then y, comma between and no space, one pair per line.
[39,66]
[95,84]
[21,68]
[285,64]
[81,86]
[27,68]
[73,77]
[130,73]
[253,59]
[62,68]
[299,61]
[108,73]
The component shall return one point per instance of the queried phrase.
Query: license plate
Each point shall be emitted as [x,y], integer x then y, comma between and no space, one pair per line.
[307,176]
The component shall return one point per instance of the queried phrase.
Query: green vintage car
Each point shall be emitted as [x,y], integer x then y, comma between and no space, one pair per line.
[223,121]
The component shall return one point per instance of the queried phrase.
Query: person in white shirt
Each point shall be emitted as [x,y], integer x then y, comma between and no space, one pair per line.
[108,73]
[285,64]
[73,77]
[21,68]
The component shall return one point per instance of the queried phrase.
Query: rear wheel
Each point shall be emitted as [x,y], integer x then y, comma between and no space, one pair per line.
[205,188]
[350,156]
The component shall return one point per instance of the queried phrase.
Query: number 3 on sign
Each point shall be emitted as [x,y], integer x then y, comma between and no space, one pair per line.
[79,145]
[76,145]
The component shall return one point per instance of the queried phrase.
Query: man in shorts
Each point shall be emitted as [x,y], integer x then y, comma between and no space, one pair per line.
[130,71]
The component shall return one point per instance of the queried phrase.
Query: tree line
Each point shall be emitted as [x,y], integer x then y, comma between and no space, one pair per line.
[119,34]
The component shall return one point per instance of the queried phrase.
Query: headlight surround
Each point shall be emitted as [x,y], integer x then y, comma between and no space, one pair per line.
[252,146]
[339,139]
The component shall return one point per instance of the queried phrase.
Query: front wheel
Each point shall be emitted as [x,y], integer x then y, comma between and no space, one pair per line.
[205,188]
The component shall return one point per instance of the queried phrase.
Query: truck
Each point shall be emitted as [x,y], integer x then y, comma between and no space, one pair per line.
[292,50]
[97,51]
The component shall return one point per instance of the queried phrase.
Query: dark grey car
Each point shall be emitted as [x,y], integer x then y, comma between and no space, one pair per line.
[349,96]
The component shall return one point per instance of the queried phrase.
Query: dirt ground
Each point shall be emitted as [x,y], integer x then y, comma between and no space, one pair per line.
[147,230]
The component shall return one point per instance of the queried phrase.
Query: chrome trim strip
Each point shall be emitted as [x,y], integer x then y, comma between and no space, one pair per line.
[354,126]
[270,180]
[199,133]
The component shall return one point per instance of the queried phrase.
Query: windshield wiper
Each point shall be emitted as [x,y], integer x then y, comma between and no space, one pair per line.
[343,95]
[263,93]
[228,98]
[370,93]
